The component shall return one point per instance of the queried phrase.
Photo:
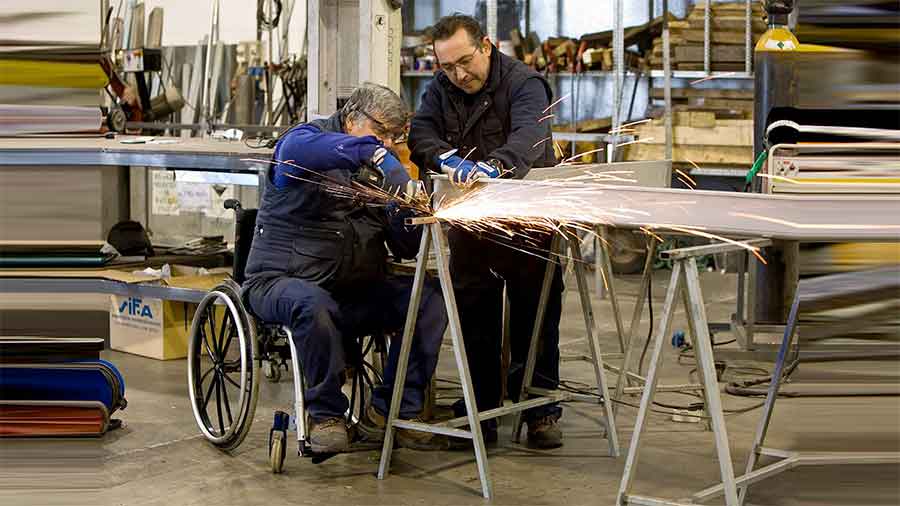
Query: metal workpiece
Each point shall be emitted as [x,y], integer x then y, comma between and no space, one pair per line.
[827,218]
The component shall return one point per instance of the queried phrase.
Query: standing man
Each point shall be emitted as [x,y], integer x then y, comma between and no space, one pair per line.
[488,107]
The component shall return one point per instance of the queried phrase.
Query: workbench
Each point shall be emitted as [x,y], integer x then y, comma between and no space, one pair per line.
[171,153]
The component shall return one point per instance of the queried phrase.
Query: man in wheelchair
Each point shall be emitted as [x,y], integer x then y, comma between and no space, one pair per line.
[318,263]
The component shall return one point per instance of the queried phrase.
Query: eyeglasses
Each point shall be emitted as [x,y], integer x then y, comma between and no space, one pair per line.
[396,137]
[463,63]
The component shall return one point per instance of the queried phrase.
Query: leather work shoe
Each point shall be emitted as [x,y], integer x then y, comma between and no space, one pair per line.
[329,436]
[407,438]
[544,433]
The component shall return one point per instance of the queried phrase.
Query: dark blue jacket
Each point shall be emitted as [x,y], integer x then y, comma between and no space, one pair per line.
[305,232]
[504,123]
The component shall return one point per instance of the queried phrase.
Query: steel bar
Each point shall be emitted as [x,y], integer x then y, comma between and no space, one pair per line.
[433,428]
[707,15]
[618,73]
[786,217]
[667,80]
[548,397]
[711,249]
[748,38]
[651,501]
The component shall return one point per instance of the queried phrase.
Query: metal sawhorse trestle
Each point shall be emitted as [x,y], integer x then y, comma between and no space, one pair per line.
[434,235]
[854,291]
[684,271]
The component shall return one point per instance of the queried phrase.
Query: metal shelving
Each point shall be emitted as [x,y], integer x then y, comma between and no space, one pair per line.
[619,73]
[699,74]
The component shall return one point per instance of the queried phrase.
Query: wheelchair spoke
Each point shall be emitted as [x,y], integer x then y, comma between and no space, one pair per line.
[206,374]
[211,313]
[225,398]
[228,329]
[217,382]
[227,377]
[209,351]
[208,391]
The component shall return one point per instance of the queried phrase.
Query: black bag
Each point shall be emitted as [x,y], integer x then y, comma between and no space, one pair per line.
[130,239]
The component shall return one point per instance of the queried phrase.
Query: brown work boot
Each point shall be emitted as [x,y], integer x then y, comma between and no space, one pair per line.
[407,438]
[544,433]
[329,436]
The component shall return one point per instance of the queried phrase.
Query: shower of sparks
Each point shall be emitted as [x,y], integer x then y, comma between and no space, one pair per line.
[708,78]
[627,126]
[685,183]
[652,234]
[363,193]
[546,118]
[692,184]
[554,103]
[566,206]
[692,163]
[558,150]
[636,141]
[559,207]
[579,155]
[545,139]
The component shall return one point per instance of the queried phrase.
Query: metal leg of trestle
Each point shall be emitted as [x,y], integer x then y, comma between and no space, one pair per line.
[684,270]
[435,233]
[636,315]
[555,247]
[558,247]
[772,395]
[612,434]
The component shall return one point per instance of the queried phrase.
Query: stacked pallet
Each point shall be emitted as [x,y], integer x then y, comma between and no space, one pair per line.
[727,38]
[698,138]
[722,103]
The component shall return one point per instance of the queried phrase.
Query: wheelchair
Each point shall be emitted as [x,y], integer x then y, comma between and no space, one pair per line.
[229,350]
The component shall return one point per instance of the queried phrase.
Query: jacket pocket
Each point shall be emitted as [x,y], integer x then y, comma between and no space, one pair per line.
[318,254]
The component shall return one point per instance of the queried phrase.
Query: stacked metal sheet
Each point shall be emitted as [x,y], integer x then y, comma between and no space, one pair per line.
[57,387]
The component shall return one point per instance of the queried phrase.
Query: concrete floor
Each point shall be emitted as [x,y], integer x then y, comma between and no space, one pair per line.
[159,458]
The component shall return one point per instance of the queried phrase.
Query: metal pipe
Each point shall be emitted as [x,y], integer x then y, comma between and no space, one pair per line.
[707,12]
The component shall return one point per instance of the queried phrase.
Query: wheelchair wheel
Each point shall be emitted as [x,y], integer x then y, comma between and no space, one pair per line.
[277,452]
[223,375]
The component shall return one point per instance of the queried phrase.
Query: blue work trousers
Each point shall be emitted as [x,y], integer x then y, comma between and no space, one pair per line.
[324,325]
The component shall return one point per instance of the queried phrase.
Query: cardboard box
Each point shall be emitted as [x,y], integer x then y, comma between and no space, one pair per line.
[157,328]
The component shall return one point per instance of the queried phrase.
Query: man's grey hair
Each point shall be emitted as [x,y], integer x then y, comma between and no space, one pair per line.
[379,102]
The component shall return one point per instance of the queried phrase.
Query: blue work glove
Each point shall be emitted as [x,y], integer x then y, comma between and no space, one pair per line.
[393,173]
[463,171]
